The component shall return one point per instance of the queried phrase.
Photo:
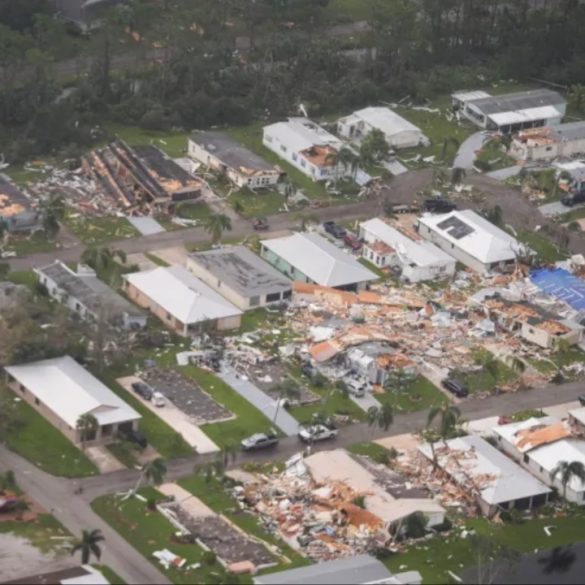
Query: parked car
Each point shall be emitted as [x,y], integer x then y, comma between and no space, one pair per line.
[261,224]
[134,437]
[318,432]
[581,400]
[412,208]
[260,441]
[352,241]
[335,230]
[457,388]
[356,387]
[143,390]
[158,399]
[573,199]
[307,369]
[438,205]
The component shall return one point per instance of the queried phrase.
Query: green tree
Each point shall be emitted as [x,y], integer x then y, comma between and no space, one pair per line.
[347,159]
[380,416]
[448,417]
[449,142]
[153,472]
[87,425]
[4,270]
[374,147]
[104,260]
[457,175]
[215,225]
[577,97]
[10,418]
[565,472]
[53,211]
[288,390]
[88,545]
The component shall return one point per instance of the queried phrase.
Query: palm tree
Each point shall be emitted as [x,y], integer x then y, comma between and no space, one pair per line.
[568,471]
[490,366]
[215,225]
[88,545]
[457,175]
[449,417]
[577,96]
[154,472]
[87,425]
[102,259]
[53,210]
[287,390]
[517,365]
[380,416]
[447,142]
[306,219]
[347,158]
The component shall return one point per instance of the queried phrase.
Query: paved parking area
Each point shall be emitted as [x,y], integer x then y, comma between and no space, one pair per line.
[186,395]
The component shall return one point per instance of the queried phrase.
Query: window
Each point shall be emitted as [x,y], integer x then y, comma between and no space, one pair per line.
[525,458]
[303,163]
[218,283]
[548,148]
[272,298]
[169,316]
[254,301]
[37,401]
[283,148]
[268,138]
[78,307]
[287,294]
[294,156]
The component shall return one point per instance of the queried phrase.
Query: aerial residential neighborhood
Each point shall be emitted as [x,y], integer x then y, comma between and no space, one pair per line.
[292,292]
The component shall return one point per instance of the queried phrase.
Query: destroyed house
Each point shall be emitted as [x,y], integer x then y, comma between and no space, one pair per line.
[62,391]
[218,151]
[181,301]
[564,140]
[540,444]
[395,246]
[17,213]
[473,240]
[310,258]
[486,475]
[513,112]
[240,276]
[84,14]
[354,570]
[141,177]
[84,575]
[87,296]
[399,132]
[11,294]
[308,147]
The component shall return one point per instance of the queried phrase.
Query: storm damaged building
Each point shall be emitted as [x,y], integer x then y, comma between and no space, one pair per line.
[17,213]
[141,178]
[220,153]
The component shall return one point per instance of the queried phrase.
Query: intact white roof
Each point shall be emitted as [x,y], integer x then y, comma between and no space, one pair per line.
[386,120]
[319,259]
[510,431]
[419,252]
[467,96]
[527,115]
[497,477]
[578,414]
[70,391]
[181,294]
[484,241]
[301,133]
[92,577]
[549,456]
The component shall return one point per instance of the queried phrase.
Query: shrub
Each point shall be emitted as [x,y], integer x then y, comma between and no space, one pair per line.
[209,558]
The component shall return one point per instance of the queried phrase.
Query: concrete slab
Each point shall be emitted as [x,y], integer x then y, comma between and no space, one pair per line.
[365,402]
[147,226]
[395,167]
[176,419]
[190,503]
[402,443]
[103,459]
[561,410]
[264,403]
[483,425]
[176,255]
[503,174]
[557,208]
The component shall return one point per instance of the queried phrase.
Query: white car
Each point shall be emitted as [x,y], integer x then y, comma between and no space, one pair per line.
[318,432]
[158,399]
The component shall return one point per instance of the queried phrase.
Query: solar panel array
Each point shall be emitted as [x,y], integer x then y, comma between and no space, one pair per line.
[455,227]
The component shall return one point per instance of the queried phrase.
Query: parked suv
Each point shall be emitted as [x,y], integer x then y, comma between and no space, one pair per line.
[335,230]
[134,437]
[143,390]
[455,387]
[352,241]
[573,199]
[438,205]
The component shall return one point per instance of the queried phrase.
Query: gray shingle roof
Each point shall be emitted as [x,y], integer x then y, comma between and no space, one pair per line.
[518,101]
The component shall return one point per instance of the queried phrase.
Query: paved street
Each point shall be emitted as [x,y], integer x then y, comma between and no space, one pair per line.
[556,208]
[503,174]
[466,155]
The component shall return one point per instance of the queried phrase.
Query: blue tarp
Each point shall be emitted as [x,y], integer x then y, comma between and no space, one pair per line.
[561,284]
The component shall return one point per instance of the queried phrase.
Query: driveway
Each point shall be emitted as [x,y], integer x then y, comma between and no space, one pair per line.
[557,208]
[264,403]
[365,402]
[503,174]
[466,155]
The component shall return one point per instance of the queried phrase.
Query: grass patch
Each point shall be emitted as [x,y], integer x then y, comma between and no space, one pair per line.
[523,415]
[158,261]
[260,319]
[483,380]
[248,419]
[23,245]
[374,451]
[351,9]
[124,452]
[257,203]
[194,210]
[26,278]
[543,366]
[150,531]
[110,576]
[100,230]
[542,246]
[420,395]
[493,157]
[213,493]
[46,533]
[173,143]
[332,402]
[160,435]
[45,446]
[373,268]
[568,357]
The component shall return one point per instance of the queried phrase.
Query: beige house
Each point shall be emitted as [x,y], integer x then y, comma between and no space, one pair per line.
[548,143]
[240,276]
[546,332]
[181,301]
[63,391]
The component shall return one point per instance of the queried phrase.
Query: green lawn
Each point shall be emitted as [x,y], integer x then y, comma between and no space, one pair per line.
[158,261]
[150,531]
[160,435]
[173,143]
[351,9]
[483,380]
[27,278]
[542,245]
[420,395]
[373,268]
[124,452]
[260,319]
[372,450]
[492,155]
[23,245]
[331,403]
[568,357]
[214,495]
[257,204]
[110,575]
[435,557]
[248,419]
[45,446]
[543,366]
[45,533]
[194,210]
[100,230]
